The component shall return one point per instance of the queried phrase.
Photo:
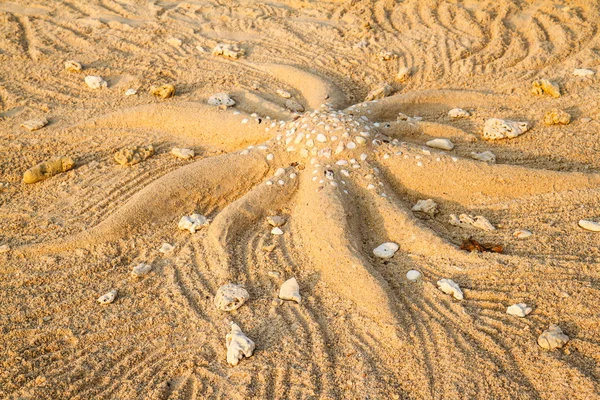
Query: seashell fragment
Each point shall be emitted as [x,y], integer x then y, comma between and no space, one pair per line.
[193,222]
[448,286]
[73,66]
[221,99]
[175,42]
[290,290]
[519,310]
[230,297]
[47,169]
[413,275]
[556,117]
[403,74]
[186,154]
[386,250]
[426,206]
[35,124]
[542,86]
[468,221]
[283,93]
[275,220]
[443,144]
[294,106]
[238,345]
[166,248]
[164,91]
[457,113]
[590,225]
[552,338]
[583,72]
[228,50]
[4,248]
[141,270]
[95,82]
[130,92]
[276,231]
[131,156]
[486,156]
[108,298]
[381,91]
[495,128]
[522,234]
[386,55]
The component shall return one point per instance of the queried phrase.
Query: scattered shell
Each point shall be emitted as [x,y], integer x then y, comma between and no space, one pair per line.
[131,156]
[294,106]
[542,86]
[413,275]
[583,72]
[468,221]
[130,92]
[95,82]
[276,231]
[457,113]
[73,66]
[443,144]
[35,124]
[283,93]
[553,338]
[403,74]
[590,225]
[556,117]
[173,41]
[193,222]
[4,248]
[47,169]
[166,248]
[522,234]
[164,91]
[426,206]
[386,250]
[448,286]
[486,156]
[108,298]
[381,91]
[221,99]
[230,297]
[495,128]
[228,50]
[321,138]
[519,310]
[238,345]
[186,154]
[141,270]
[275,220]
[290,290]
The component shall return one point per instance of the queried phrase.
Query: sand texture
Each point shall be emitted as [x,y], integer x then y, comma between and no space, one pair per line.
[299,143]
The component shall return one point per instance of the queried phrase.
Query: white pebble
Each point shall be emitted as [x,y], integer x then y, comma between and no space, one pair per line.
[276,231]
[443,144]
[141,270]
[413,275]
[245,121]
[522,234]
[448,286]
[518,310]
[583,72]
[386,250]
[290,290]
[590,225]
[95,82]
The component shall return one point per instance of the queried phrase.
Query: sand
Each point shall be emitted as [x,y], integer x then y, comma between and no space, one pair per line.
[362,330]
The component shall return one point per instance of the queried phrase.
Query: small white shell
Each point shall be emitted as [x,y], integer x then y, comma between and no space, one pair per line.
[95,82]
[413,275]
[166,248]
[457,113]
[290,290]
[230,297]
[495,128]
[276,231]
[519,310]
[443,144]
[590,225]
[35,124]
[238,345]
[193,222]
[448,286]
[553,338]
[141,270]
[386,250]
[486,156]
[522,234]
[275,220]
[108,298]
[186,154]
[426,206]
[220,99]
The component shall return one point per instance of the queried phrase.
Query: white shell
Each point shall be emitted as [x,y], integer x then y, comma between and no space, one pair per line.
[590,225]
[413,275]
[95,82]
[276,231]
[183,153]
[228,50]
[426,206]
[283,93]
[583,72]
[522,234]
[321,138]
[553,338]
[166,248]
[290,290]
[519,310]
[221,99]
[457,113]
[448,286]
[108,298]
[173,41]
[443,144]
[73,66]
[230,297]
[193,222]
[141,270]
[386,250]
[130,92]
[4,248]
[495,128]
[35,124]
[238,345]
[486,156]
[468,221]
[275,220]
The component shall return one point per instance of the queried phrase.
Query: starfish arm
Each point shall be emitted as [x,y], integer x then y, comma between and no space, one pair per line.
[240,215]
[181,191]
[321,219]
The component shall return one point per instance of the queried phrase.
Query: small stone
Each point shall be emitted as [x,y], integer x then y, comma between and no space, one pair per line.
[552,338]
[381,91]
[519,310]
[193,222]
[403,74]
[321,138]
[413,275]
[166,248]
[294,106]
[428,207]
[583,72]
[544,86]
[108,298]
[276,302]
[238,345]
[275,220]
[95,82]
[130,92]
[221,99]
[174,42]
[185,154]
[522,234]
[443,144]
[486,156]
[141,270]
[590,225]
[134,155]
[164,91]
[230,297]
[448,286]
[35,124]
[386,250]
[73,66]
[290,290]
[276,231]
[495,128]
[458,113]
[556,117]
[47,169]
[283,93]
[4,248]
[228,50]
